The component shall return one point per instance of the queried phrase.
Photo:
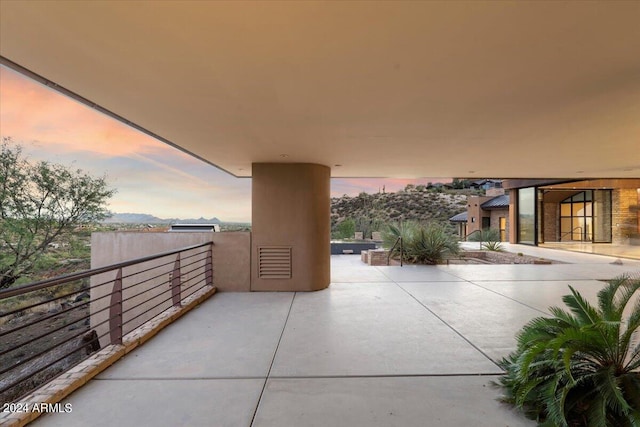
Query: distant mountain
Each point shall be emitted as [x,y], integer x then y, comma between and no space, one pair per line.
[200,220]
[138,218]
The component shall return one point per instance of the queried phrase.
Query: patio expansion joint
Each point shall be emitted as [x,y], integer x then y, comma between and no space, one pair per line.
[453,273]
[510,298]
[449,326]
[312,377]
[275,353]
[478,284]
[180,378]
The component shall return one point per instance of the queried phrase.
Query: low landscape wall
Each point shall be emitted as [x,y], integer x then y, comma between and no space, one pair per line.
[338,248]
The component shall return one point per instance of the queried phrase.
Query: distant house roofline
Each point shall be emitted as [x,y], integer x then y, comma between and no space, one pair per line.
[461,217]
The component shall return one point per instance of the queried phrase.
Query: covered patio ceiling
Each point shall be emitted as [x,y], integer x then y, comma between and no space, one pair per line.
[383,89]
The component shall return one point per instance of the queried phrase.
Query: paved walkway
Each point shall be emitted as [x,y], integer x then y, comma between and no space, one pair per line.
[383,346]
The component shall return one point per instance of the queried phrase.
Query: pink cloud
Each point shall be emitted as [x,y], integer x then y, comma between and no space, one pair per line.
[32,112]
[151,177]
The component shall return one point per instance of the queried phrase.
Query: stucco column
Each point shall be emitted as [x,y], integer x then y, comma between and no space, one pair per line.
[513,216]
[290,249]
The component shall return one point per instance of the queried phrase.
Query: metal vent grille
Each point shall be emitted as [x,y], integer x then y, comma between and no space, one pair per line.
[274,262]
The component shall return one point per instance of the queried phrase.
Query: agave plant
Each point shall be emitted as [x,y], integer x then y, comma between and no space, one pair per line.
[430,243]
[580,367]
[493,246]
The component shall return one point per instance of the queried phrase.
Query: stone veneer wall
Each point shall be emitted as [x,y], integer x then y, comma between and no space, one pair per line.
[495,219]
[551,221]
[625,216]
[377,257]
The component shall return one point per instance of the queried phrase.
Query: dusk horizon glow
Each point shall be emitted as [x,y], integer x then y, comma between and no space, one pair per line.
[151,177]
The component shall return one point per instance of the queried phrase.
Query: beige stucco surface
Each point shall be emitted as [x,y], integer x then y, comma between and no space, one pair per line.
[385,89]
[291,207]
[231,256]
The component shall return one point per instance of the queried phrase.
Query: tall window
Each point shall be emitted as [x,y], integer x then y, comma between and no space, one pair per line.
[576,217]
[527,215]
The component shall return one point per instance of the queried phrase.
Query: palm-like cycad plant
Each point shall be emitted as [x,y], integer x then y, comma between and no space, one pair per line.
[580,367]
[393,231]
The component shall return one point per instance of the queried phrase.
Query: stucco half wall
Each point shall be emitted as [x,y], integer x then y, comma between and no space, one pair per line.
[231,252]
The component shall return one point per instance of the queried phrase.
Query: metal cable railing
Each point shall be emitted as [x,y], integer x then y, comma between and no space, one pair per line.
[49,326]
[479,232]
[584,236]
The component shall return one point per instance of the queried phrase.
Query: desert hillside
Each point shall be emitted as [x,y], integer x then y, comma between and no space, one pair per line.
[370,212]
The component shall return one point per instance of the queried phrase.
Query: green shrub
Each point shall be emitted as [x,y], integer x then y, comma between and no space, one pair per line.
[422,243]
[346,229]
[580,367]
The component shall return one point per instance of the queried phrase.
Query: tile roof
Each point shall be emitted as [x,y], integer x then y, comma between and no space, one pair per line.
[461,217]
[500,202]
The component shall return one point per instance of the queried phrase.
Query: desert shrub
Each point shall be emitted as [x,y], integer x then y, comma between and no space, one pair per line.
[395,230]
[423,243]
[486,235]
[345,229]
[580,367]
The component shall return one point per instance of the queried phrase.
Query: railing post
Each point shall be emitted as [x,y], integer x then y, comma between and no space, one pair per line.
[209,267]
[175,283]
[398,240]
[115,310]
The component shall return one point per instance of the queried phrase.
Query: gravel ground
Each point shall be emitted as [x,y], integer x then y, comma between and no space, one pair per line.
[62,333]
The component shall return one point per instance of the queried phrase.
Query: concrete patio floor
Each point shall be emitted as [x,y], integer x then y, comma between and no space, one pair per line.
[382,346]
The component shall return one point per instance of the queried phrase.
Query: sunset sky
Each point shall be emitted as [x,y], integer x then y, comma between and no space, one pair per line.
[150,176]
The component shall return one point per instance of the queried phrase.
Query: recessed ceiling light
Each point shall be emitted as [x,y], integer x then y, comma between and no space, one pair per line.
[579,171]
[284,156]
[472,171]
[337,165]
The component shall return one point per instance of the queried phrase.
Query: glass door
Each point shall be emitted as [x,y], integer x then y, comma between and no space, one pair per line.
[527,216]
[576,217]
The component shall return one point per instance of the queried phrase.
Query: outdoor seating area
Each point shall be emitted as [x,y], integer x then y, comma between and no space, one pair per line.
[261,131]
[406,346]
